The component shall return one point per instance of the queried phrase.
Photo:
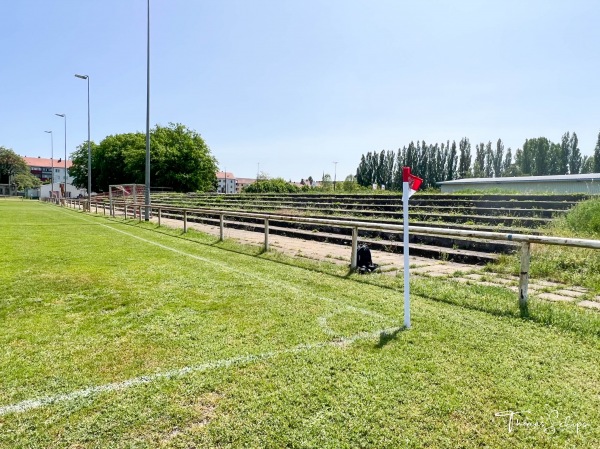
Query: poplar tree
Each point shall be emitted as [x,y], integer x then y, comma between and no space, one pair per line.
[597,156]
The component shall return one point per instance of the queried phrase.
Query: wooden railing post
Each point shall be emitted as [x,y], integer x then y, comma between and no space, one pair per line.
[125,211]
[184,221]
[221,227]
[266,234]
[524,275]
[353,260]
[159,216]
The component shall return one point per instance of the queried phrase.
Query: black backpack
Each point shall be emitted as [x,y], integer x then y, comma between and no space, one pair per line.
[364,263]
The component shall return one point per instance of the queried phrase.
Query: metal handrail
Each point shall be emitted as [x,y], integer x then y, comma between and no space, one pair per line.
[525,239]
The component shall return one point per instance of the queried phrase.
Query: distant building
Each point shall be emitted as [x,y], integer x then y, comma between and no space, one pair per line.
[243,182]
[226,182]
[52,175]
[557,184]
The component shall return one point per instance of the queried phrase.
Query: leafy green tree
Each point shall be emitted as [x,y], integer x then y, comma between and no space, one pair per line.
[497,159]
[350,184]
[506,165]
[11,164]
[451,163]
[180,159]
[575,160]
[276,185]
[326,182]
[464,161]
[565,153]
[79,169]
[25,180]
[588,164]
[479,164]
[596,168]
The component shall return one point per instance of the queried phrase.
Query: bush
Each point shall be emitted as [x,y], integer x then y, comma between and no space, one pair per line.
[277,185]
[584,218]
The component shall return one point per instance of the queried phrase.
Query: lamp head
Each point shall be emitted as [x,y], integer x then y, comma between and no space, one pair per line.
[83,77]
[60,115]
[50,132]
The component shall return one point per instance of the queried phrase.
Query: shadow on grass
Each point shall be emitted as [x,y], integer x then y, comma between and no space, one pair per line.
[386,337]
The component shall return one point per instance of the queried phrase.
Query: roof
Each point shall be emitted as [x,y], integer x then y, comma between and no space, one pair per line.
[46,162]
[587,177]
[246,180]
[221,175]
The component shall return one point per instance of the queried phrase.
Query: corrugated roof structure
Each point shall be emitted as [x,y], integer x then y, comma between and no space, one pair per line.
[581,183]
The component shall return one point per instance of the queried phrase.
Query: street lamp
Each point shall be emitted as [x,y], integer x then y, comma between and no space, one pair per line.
[334,174]
[65,117]
[89,189]
[51,162]
[147,193]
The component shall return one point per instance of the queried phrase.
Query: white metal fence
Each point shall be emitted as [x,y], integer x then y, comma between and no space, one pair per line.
[135,211]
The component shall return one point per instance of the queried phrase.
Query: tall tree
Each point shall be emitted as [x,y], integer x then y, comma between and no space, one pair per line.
[597,156]
[464,161]
[507,164]
[452,163]
[11,164]
[497,159]
[180,160]
[489,160]
[479,163]
[575,155]
[565,153]
[587,166]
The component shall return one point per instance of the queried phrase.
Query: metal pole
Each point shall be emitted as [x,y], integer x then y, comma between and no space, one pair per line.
[266,234]
[147,193]
[159,215]
[89,188]
[221,228]
[353,260]
[65,184]
[406,250]
[184,221]
[51,161]
[524,275]
[334,174]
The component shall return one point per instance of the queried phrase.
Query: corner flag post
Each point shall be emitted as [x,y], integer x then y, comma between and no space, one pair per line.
[410,184]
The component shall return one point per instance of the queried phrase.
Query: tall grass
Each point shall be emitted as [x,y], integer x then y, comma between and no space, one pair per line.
[576,266]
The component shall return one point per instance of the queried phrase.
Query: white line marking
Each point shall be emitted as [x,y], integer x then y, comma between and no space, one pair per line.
[224,266]
[32,404]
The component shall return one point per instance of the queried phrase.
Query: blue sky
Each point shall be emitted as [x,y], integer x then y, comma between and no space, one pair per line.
[298,84]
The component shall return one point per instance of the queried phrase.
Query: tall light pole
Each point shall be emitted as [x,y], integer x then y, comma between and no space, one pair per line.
[147,193]
[51,162]
[89,189]
[65,117]
[334,174]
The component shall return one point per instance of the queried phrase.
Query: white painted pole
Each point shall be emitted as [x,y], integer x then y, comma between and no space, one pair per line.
[406,255]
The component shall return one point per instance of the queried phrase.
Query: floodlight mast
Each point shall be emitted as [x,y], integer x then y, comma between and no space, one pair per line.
[147,191]
[65,117]
[51,161]
[86,77]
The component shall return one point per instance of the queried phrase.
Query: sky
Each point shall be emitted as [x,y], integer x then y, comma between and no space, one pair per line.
[289,87]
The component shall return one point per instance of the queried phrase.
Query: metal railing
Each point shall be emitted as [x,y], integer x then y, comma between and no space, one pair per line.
[135,211]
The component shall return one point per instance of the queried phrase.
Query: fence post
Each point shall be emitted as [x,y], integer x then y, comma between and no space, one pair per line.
[140,213]
[159,215]
[184,221]
[125,211]
[353,260]
[524,276]
[266,234]
[96,206]
[221,228]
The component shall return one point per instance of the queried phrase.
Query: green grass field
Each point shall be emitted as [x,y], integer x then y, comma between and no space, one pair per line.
[124,335]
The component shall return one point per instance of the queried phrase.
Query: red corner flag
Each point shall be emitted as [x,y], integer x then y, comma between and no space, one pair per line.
[414,182]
